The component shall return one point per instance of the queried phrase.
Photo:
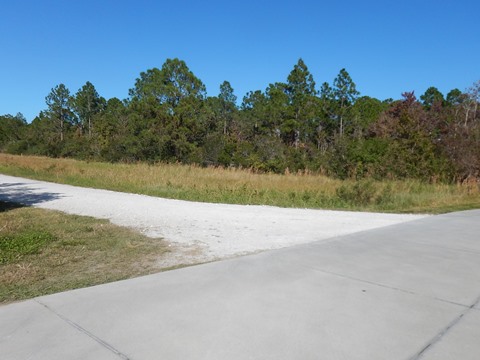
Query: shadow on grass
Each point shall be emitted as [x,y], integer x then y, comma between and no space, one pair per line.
[24,194]
[7,206]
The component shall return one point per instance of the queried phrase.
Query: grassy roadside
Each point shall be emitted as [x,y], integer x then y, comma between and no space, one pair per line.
[245,187]
[44,252]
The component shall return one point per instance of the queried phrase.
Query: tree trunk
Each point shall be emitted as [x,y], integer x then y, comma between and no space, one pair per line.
[61,126]
[89,128]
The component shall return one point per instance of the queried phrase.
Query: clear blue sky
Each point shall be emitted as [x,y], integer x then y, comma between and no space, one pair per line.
[388,47]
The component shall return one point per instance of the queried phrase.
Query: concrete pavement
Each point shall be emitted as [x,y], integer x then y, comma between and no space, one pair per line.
[407,291]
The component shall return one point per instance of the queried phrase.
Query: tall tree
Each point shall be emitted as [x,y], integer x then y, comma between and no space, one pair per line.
[254,108]
[169,104]
[59,109]
[431,96]
[473,98]
[461,138]
[227,94]
[11,129]
[228,105]
[454,97]
[110,130]
[453,102]
[179,82]
[278,120]
[345,93]
[301,92]
[168,85]
[412,151]
[366,111]
[328,107]
[300,83]
[87,103]
[148,85]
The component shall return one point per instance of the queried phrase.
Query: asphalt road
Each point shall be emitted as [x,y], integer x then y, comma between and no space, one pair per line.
[406,291]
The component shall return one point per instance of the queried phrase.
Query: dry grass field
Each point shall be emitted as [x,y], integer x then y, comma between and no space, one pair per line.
[243,186]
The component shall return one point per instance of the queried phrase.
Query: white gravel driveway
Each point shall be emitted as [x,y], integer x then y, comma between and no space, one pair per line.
[202,231]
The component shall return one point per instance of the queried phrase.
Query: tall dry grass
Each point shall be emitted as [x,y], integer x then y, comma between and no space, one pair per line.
[243,186]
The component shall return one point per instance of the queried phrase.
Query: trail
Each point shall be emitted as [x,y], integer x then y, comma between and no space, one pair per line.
[203,231]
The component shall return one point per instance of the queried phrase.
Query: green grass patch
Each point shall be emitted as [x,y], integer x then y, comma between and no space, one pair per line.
[17,246]
[43,252]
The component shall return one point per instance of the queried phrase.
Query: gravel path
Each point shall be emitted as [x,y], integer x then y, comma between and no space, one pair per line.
[199,231]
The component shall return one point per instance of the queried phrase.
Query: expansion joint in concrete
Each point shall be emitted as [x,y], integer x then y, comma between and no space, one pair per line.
[85,332]
[437,338]
[387,287]
[450,248]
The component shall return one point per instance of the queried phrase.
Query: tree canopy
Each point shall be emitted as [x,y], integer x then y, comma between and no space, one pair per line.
[289,126]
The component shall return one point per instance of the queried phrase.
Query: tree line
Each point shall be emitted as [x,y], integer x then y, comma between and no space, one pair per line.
[291,126]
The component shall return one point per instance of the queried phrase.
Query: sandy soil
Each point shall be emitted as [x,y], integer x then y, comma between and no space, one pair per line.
[197,232]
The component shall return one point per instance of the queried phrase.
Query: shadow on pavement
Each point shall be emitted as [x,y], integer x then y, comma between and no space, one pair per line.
[22,193]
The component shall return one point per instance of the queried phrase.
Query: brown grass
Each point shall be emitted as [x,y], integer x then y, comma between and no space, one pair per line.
[243,186]
[80,251]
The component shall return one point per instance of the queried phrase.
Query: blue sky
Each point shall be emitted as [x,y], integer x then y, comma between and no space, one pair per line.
[388,47]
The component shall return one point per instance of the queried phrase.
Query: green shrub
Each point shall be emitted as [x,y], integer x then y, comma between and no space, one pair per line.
[361,193]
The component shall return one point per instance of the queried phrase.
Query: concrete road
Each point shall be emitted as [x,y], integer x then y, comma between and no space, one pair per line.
[407,291]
